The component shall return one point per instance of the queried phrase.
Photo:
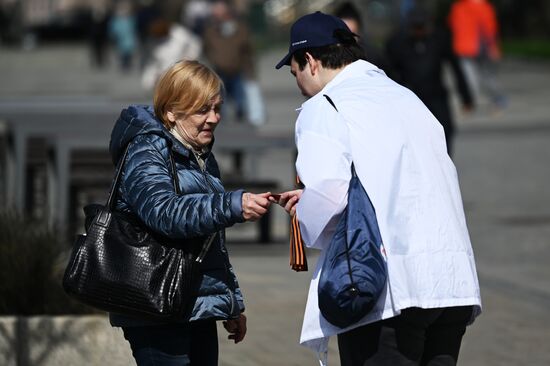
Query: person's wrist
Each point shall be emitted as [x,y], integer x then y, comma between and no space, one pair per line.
[245,200]
[236,199]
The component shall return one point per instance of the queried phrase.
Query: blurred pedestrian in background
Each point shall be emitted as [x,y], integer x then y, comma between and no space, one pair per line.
[228,48]
[195,15]
[4,22]
[147,12]
[99,32]
[122,29]
[416,55]
[350,15]
[405,7]
[169,43]
[474,27]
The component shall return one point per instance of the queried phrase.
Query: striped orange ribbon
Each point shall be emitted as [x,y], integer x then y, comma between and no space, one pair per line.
[298,260]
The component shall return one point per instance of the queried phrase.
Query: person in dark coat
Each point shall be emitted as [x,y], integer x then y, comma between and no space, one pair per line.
[416,55]
[227,46]
[350,15]
[99,35]
[182,122]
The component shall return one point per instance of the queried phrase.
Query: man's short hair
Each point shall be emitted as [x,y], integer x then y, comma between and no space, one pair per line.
[333,56]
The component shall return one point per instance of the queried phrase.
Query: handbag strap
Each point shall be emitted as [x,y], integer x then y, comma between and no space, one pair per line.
[175,178]
[175,181]
[120,165]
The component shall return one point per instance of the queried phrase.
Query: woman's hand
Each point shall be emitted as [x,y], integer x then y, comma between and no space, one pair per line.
[255,205]
[288,200]
[236,328]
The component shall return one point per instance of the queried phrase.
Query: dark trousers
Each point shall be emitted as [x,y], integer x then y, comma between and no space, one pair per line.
[195,344]
[416,337]
[234,87]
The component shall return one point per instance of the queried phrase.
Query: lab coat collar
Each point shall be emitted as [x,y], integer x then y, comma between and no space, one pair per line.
[352,70]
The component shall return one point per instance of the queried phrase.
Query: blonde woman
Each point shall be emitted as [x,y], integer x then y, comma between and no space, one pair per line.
[186,112]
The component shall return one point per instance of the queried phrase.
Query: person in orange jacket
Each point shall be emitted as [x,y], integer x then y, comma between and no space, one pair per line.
[474,27]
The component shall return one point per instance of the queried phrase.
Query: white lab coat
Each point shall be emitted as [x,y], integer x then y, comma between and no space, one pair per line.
[399,152]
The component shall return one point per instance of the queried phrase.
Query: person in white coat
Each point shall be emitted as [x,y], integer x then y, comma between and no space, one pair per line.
[171,43]
[355,113]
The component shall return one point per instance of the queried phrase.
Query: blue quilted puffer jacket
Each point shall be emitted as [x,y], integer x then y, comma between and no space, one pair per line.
[203,207]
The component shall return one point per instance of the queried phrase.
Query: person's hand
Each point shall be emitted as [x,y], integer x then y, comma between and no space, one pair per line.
[255,205]
[236,328]
[288,200]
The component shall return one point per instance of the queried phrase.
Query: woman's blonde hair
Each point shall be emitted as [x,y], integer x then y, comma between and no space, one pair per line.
[184,89]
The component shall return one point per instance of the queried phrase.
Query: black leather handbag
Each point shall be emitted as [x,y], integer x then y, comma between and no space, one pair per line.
[121,266]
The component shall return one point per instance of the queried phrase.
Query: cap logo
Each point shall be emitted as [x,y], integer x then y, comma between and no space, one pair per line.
[299,42]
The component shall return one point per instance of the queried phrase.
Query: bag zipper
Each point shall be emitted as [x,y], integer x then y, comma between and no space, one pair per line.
[205,248]
[209,241]
[353,290]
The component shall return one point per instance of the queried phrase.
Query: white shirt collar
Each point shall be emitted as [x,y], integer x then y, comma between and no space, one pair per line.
[352,70]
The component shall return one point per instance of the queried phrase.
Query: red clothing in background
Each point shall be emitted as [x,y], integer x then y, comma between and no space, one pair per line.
[475,28]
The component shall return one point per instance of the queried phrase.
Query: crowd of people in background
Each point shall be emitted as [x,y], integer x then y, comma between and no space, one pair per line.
[206,29]
[415,55]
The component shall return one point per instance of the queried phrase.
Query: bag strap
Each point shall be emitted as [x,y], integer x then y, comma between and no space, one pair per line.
[331,102]
[353,288]
[353,173]
[120,165]
[175,178]
[115,183]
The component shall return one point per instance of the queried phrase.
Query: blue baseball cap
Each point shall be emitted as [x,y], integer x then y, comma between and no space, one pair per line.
[312,30]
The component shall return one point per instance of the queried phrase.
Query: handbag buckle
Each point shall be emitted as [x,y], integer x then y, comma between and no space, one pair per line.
[103,218]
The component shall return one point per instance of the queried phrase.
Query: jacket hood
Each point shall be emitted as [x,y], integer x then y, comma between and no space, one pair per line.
[139,120]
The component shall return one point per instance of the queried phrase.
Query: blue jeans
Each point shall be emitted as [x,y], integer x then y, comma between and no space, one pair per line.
[194,343]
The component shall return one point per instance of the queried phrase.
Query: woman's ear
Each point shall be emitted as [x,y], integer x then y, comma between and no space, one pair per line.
[171,116]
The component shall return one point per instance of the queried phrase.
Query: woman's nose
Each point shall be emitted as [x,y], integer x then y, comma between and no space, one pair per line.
[213,116]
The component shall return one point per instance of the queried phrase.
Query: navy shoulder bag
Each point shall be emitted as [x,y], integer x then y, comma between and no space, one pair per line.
[354,270]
